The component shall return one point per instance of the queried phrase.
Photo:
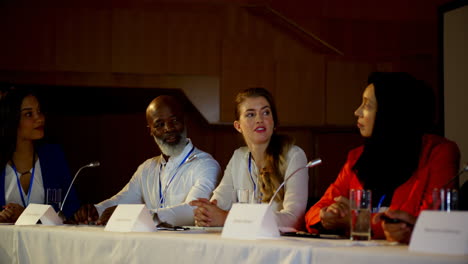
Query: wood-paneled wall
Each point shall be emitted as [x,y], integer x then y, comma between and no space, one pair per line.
[143,44]
[101,45]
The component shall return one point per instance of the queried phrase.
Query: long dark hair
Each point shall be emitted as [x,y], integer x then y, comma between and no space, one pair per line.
[10,115]
[405,111]
[272,175]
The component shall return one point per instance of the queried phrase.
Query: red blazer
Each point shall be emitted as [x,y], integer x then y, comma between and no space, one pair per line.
[439,162]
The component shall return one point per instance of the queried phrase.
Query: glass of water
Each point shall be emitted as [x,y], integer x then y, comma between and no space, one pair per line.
[360,202]
[445,199]
[54,198]
[243,195]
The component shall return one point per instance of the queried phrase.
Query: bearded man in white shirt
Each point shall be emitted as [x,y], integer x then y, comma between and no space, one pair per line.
[165,183]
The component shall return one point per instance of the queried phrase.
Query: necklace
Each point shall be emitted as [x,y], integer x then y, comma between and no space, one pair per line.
[20,188]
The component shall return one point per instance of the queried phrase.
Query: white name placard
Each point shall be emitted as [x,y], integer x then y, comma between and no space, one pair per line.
[131,218]
[36,212]
[441,232]
[250,221]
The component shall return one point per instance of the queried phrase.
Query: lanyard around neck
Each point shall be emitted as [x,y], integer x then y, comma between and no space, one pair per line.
[163,194]
[20,188]
[380,203]
[250,171]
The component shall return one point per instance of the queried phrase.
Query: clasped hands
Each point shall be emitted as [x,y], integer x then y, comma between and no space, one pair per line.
[88,214]
[337,216]
[208,213]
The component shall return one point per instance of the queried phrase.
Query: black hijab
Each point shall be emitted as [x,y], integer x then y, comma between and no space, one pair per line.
[405,111]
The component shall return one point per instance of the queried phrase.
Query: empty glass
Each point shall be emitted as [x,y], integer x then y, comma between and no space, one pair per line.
[54,198]
[243,195]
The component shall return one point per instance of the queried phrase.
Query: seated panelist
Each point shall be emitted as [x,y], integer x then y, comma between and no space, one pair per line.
[166,183]
[399,162]
[28,166]
[261,166]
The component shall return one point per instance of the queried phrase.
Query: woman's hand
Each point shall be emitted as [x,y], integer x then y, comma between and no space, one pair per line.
[11,212]
[397,232]
[336,216]
[208,213]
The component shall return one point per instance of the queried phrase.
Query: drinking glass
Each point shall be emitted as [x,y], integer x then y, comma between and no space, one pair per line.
[445,199]
[54,198]
[360,202]
[243,195]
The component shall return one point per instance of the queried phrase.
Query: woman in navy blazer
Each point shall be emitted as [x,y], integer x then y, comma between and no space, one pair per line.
[28,167]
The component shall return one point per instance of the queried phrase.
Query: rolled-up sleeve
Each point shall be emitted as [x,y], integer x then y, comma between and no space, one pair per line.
[205,174]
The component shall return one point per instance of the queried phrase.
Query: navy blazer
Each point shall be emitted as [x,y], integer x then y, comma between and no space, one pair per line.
[55,175]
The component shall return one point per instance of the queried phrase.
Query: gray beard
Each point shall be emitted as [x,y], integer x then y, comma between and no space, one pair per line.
[172,150]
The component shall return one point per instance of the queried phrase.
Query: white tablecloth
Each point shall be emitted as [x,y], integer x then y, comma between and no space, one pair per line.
[88,244]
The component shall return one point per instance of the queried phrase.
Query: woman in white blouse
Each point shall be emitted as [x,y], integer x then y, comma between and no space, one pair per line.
[28,166]
[268,156]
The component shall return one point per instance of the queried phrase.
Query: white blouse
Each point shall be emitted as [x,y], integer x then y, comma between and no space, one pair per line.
[236,176]
[12,192]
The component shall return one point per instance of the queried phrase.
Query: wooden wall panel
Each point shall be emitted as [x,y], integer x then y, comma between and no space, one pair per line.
[145,43]
[194,40]
[290,48]
[390,10]
[300,82]
[83,40]
[360,38]
[139,40]
[345,83]
[241,24]
[388,40]
[27,38]
[300,91]
[246,63]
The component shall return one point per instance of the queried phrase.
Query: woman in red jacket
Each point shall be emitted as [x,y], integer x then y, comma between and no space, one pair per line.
[399,161]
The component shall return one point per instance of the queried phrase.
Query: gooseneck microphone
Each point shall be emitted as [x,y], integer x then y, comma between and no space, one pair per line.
[465,168]
[311,164]
[90,165]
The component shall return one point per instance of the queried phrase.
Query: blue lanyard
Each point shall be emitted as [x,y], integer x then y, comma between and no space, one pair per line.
[161,193]
[20,189]
[380,202]
[250,171]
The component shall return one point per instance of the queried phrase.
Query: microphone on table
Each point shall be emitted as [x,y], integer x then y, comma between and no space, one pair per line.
[311,164]
[90,165]
[465,168]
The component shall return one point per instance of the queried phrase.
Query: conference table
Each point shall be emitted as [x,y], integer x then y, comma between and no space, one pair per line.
[91,244]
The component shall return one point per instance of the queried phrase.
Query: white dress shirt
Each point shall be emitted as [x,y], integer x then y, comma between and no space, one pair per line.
[290,213]
[196,177]
[12,192]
